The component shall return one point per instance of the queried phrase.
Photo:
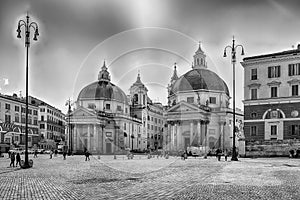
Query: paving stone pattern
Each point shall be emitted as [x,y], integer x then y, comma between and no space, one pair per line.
[142,178]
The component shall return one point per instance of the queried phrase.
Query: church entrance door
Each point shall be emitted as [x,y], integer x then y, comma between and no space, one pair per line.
[186,143]
[108,147]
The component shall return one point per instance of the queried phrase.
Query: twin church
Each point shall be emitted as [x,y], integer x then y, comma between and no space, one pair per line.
[106,120]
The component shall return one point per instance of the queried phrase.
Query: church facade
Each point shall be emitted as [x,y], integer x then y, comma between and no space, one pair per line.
[106,120]
[198,110]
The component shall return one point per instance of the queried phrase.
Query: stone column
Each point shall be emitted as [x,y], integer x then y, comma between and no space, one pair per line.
[95,139]
[221,136]
[178,136]
[75,144]
[198,132]
[168,138]
[191,132]
[89,138]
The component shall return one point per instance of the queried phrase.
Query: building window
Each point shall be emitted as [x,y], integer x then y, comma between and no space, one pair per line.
[107,106]
[212,100]
[253,130]
[273,92]
[35,112]
[294,69]
[119,108]
[254,74]
[42,109]
[273,71]
[155,120]
[42,126]
[17,108]
[148,126]
[151,127]
[91,106]
[126,110]
[23,120]
[124,126]
[273,130]
[23,110]
[190,99]
[42,118]
[295,90]
[253,115]
[7,118]
[17,118]
[253,94]
[7,106]
[35,121]
[294,129]
[29,111]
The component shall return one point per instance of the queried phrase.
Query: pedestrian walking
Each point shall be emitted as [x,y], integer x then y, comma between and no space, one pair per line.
[55,153]
[9,153]
[12,159]
[51,153]
[226,154]
[18,159]
[35,154]
[219,154]
[87,156]
[64,155]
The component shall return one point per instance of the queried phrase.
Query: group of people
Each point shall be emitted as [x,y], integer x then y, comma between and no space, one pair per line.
[14,157]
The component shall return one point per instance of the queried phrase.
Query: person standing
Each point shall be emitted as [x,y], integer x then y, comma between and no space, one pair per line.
[64,155]
[51,153]
[35,154]
[226,154]
[87,156]
[18,159]
[12,159]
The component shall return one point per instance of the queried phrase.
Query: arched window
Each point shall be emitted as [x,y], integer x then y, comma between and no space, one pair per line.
[135,98]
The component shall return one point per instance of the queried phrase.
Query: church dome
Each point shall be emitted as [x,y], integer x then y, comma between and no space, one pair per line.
[197,79]
[102,90]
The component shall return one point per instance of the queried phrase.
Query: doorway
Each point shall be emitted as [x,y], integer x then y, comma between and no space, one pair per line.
[186,143]
[108,148]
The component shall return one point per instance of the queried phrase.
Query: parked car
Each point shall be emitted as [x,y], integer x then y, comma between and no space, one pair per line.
[41,151]
[47,151]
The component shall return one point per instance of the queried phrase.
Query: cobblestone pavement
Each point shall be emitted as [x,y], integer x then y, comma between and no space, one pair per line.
[141,178]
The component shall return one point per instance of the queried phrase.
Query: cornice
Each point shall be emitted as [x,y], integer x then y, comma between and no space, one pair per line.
[269,60]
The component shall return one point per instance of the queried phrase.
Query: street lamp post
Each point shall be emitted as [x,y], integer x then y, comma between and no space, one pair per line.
[233,49]
[27,26]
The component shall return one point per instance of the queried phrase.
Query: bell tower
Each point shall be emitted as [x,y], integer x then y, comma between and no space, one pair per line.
[199,58]
[138,93]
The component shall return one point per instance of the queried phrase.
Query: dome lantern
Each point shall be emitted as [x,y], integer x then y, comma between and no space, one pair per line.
[104,74]
[199,58]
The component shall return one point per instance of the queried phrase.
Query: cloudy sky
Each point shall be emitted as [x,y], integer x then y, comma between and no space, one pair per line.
[135,35]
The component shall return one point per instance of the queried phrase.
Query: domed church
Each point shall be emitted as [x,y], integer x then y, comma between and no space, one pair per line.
[101,121]
[106,120]
[199,113]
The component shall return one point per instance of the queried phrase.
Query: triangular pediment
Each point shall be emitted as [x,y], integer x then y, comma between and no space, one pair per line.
[81,111]
[183,106]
